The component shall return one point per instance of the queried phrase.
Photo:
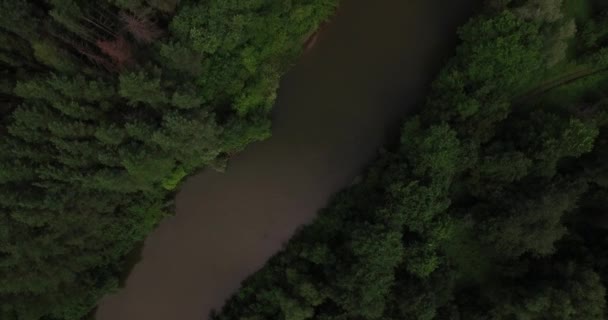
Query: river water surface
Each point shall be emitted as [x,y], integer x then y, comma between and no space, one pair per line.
[371,65]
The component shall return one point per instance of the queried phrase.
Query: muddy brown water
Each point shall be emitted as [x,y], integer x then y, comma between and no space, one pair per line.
[371,65]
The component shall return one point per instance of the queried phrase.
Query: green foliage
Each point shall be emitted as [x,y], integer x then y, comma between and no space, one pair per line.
[540,10]
[569,291]
[140,88]
[49,54]
[514,228]
[483,211]
[436,152]
[100,127]
[12,15]
[501,51]
[173,180]
[93,145]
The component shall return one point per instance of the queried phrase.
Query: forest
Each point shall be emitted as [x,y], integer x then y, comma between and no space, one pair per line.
[493,203]
[106,106]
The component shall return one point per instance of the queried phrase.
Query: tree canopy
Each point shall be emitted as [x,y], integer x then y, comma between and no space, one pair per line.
[491,207]
[106,106]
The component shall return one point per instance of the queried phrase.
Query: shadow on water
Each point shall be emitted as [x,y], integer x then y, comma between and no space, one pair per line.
[368,68]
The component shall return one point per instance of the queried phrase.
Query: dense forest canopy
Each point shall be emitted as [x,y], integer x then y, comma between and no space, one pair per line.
[106,106]
[493,204]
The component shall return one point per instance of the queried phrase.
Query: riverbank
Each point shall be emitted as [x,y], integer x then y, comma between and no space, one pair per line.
[484,210]
[334,109]
[107,106]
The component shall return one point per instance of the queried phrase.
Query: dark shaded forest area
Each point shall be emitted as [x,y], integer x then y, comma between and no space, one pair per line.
[493,204]
[106,106]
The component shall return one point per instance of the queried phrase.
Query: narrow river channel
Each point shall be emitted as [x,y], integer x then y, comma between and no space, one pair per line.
[371,65]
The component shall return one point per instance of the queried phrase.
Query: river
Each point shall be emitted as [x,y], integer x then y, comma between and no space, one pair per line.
[339,104]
